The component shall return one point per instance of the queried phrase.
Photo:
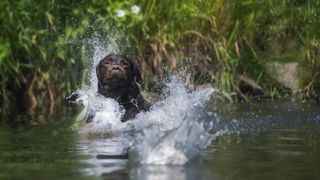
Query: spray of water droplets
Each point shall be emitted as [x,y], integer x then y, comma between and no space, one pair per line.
[172,132]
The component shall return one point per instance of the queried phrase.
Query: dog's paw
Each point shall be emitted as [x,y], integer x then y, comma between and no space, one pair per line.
[71,100]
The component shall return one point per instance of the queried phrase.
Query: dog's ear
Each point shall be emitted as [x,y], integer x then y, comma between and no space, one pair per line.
[98,72]
[137,72]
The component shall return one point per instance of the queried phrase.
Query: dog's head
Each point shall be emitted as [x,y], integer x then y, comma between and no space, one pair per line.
[117,67]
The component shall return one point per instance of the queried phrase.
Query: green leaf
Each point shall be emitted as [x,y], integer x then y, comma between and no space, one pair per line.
[5,50]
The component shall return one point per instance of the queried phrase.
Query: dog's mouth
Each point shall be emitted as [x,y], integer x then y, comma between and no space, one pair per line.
[114,76]
[118,74]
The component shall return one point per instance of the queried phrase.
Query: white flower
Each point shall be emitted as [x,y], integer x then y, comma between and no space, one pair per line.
[121,13]
[135,9]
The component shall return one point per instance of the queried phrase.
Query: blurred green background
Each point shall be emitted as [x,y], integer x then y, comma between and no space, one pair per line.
[238,46]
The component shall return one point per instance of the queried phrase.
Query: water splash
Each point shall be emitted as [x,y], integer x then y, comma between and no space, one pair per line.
[181,134]
[172,132]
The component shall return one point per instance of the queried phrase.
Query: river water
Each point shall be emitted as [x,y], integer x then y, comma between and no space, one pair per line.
[262,140]
[184,136]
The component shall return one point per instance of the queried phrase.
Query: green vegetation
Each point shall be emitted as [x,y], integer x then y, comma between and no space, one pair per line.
[43,46]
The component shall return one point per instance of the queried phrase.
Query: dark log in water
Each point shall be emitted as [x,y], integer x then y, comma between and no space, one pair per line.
[118,156]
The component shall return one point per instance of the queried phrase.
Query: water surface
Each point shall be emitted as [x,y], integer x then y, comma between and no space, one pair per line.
[268,140]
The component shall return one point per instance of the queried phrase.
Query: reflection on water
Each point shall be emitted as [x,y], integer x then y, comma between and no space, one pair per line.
[276,154]
[265,141]
[158,172]
[110,146]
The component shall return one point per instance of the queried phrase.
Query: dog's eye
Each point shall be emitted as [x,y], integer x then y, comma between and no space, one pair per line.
[125,63]
[107,62]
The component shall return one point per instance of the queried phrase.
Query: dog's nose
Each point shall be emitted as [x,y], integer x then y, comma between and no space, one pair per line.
[115,68]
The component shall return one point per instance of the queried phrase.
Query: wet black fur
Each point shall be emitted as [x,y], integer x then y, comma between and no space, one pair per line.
[124,90]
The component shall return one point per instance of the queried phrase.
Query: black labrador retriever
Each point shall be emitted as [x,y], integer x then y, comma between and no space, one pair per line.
[117,78]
